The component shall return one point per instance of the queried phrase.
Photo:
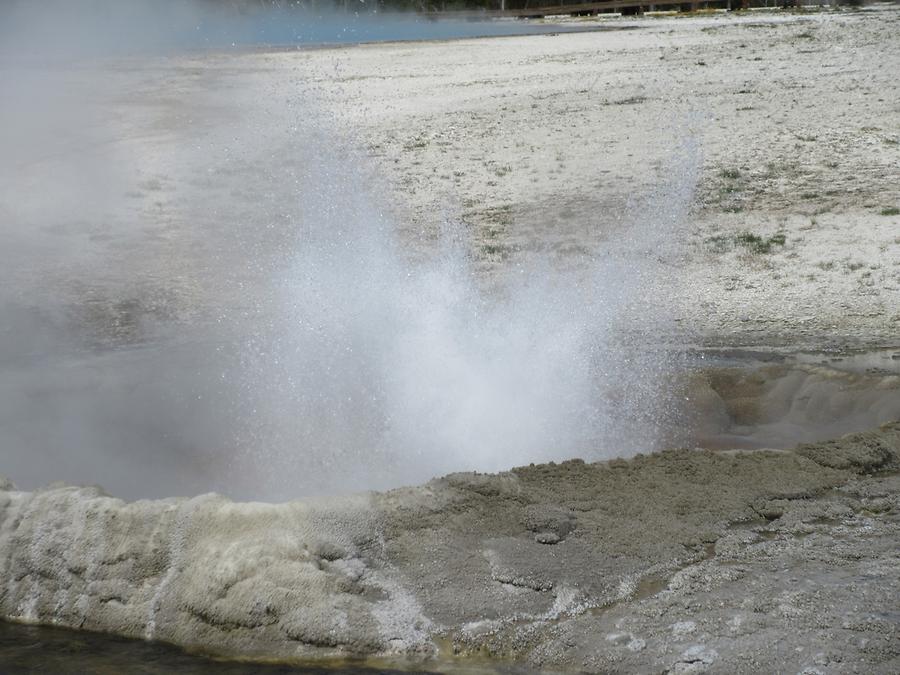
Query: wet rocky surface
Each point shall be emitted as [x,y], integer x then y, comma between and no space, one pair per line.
[685,560]
[44,649]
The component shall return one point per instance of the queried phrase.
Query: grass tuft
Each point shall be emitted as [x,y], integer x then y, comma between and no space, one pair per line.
[756,244]
[753,243]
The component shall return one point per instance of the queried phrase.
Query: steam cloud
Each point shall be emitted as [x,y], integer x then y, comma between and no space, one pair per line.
[201,289]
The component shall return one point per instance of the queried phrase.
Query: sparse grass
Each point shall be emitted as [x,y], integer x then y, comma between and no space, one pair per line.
[719,243]
[497,250]
[729,190]
[631,100]
[416,143]
[501,215]
[753,243]
[756,244]
[890,211]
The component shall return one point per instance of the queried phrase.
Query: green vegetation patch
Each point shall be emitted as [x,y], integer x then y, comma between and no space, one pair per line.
[890,211]
[756,244]
[753,243]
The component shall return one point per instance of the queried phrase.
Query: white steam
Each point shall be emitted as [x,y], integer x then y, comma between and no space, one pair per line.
[379,371]
[201,288]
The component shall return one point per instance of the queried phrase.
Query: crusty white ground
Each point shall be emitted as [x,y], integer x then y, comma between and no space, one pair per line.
[539,143]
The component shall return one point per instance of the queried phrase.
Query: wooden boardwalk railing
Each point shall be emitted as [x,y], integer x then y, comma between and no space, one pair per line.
[582,9]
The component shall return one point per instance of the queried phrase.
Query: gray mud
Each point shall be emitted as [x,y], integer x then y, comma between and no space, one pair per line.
[685,561]
[789,398]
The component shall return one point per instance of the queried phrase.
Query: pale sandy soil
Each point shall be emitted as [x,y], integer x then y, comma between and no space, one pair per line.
[539,143]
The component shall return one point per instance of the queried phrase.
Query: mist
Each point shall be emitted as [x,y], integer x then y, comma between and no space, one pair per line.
[203,285]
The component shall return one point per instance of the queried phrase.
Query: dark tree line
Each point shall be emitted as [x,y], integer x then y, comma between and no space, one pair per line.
[430,6]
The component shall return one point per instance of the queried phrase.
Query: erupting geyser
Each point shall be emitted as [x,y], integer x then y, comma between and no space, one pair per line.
[380,367]
[228,304]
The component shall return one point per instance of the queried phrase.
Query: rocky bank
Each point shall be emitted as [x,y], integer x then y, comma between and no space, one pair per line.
[683,561]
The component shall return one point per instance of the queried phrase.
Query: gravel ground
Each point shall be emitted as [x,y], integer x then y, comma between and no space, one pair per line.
[781,129]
